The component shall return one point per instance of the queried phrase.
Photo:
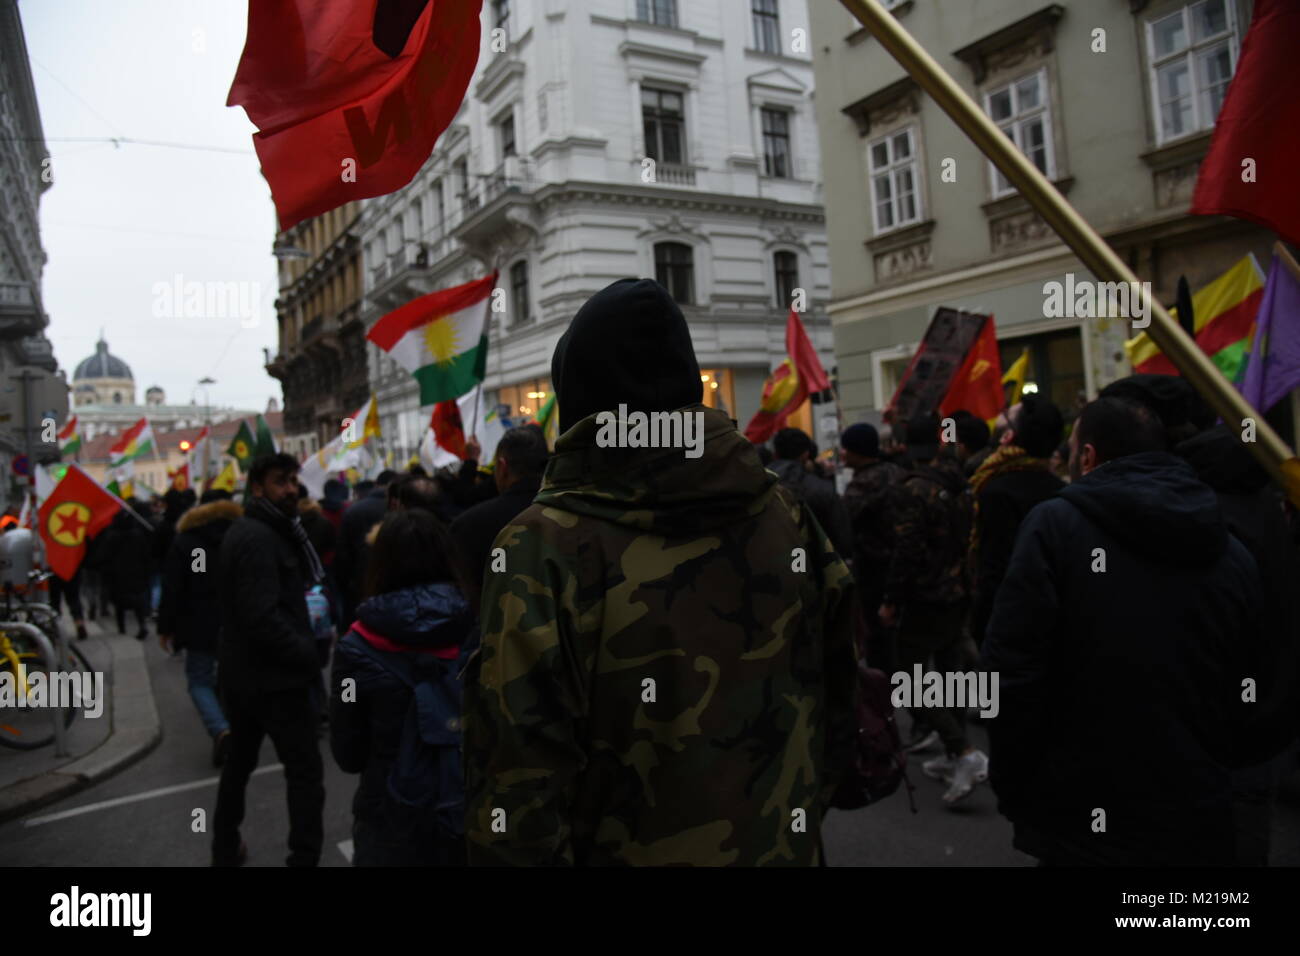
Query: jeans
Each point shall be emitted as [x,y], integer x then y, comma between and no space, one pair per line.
[201,673]
[291,719]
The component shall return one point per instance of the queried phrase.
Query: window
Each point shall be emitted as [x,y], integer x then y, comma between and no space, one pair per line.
[525,398]
[776,143]
[506,132]
[501,15]
[894,200]
[461,170]
[786,268]
[439,208]
[664,124]
[417,220]
[660,12]
[1193,54]
[519,290]
[767,26]
[1020,110]
[675,270]
[718,389]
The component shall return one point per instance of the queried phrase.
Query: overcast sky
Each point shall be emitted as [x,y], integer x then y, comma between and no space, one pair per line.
[119,221]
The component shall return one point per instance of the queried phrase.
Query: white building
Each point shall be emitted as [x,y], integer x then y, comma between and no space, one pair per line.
[609,139]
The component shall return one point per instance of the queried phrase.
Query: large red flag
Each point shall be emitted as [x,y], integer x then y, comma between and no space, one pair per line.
[448,431]
[76,509]
[806,364]
[1249,172]
[350,97]
[977,384]
[789,385]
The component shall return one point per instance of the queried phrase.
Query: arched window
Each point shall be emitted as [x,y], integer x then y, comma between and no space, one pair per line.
[117,398]
[675,270]
[785,266]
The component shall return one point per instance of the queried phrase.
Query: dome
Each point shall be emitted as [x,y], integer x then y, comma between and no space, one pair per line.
[102,365]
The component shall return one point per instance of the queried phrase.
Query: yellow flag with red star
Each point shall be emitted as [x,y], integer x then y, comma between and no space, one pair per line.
[76,510]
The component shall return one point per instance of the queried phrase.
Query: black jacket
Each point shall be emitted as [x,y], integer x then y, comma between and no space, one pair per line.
[266,640]
[1001,507]
[1255,512]
[126,558]
[820,495]
[476,529]
[353,554]
[365,732]
[190,608]
[1121,689]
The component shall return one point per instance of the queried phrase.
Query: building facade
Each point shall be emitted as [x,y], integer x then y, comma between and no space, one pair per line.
[617,138]
[321,359]
[32,389]
[1113,100]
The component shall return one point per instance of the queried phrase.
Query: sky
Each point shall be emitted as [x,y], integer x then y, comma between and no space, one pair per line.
[124,227]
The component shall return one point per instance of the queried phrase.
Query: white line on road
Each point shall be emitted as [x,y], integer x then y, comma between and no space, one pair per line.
[135,798]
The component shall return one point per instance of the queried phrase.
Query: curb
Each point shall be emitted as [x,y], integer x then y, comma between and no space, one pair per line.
[137,730]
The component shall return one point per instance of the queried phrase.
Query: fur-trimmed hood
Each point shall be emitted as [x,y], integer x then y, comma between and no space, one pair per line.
[200,515]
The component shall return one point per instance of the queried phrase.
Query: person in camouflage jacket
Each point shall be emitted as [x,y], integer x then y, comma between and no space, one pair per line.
[666,674]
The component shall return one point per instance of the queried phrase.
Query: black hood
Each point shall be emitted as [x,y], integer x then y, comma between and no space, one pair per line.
[628,344]
[1154,503]
[1222,462]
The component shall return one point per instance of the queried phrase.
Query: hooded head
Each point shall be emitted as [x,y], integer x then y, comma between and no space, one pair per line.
[628,344]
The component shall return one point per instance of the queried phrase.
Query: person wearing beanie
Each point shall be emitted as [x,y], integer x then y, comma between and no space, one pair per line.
[869,502]
[666,670]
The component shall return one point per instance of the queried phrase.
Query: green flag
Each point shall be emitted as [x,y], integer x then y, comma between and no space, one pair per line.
[243,447]
[265,444]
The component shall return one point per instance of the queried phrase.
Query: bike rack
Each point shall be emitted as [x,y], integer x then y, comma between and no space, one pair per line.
[47,648]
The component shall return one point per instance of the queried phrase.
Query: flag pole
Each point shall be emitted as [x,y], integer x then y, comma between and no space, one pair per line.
[1269,448]
[125,507]
[1288,260]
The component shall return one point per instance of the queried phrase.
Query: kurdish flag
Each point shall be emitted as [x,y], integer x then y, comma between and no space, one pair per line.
[977,386]
[1225,313]
[441,338]
[136,442]
[77,509]
[69,440]
[226,480]
[243,447]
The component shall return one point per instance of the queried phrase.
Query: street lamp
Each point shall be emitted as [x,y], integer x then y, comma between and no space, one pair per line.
[204,382]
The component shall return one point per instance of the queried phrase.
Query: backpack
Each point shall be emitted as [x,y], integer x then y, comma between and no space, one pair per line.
[879,762]
[427,774]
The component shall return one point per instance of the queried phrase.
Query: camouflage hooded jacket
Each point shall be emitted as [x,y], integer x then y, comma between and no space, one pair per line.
[663,678]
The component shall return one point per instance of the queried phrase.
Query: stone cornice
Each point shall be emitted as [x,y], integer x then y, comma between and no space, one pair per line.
[1041,23]
[684,200]
[901,96]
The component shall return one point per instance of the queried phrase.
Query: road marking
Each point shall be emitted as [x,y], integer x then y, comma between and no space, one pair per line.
[135,798]
[345,847]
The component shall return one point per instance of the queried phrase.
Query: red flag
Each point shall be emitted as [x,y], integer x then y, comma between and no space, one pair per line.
[1249,172]
[351,97]
[448,431]
[812,377]
[77,509]
[977,385]
[777,403]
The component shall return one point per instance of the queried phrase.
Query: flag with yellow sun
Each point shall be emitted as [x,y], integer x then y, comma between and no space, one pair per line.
[441,338]
[77,510]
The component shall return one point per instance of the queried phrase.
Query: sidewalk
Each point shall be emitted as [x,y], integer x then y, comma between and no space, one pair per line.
[98,748]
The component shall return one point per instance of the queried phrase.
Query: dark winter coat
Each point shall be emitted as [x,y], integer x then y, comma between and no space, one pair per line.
[190,608]
[932,514]
[1256,514]
[1121,689]
[1001,507]
[476,529]
[126,558]
[825,504]
[352,554]
[266,642]
[365,732]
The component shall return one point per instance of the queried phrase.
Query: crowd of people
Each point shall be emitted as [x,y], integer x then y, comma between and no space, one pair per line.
[604,655]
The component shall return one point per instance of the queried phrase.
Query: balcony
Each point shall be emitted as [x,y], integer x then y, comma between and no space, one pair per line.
[20,311]
[670,174]
[496,202]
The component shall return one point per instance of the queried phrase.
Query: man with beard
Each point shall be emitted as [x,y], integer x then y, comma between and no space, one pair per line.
[269,669]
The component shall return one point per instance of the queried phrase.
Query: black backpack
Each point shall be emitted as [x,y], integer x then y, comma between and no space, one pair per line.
[426,773]
[879,761]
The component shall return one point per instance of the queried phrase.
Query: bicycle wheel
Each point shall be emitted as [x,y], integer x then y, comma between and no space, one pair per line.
[26,725]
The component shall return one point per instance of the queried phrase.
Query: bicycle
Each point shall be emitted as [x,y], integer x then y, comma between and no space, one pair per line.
[26,649]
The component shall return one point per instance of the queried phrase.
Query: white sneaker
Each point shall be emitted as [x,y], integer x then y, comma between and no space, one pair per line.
[939,768]
[969,770]
[922,744]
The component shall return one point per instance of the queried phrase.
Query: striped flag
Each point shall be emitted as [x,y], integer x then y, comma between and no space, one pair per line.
[1225,313]
[69,440]
[135,442]
[440,338]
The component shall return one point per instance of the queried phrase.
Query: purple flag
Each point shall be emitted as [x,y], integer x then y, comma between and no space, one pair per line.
[1273,368]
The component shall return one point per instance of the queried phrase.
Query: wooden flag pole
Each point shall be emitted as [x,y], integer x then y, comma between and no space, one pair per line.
[1288,260]
[1269,448]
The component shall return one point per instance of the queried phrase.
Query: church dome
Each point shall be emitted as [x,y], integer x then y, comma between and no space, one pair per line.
[102,365]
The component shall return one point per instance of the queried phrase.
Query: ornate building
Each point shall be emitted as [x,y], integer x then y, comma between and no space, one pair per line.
[321,361]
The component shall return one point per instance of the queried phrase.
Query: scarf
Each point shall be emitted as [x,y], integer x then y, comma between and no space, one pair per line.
[277,519]
[1004,461]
